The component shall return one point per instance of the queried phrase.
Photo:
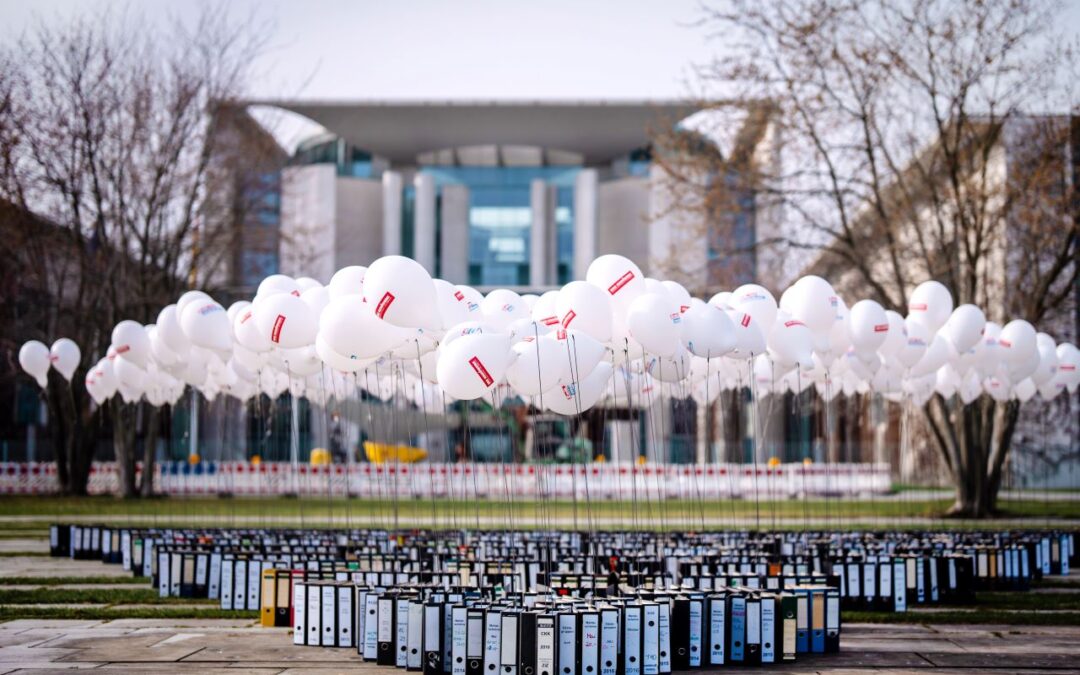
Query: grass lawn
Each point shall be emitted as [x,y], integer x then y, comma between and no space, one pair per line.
[315,512]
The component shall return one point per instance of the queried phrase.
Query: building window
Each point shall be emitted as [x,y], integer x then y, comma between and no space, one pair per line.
[500,218]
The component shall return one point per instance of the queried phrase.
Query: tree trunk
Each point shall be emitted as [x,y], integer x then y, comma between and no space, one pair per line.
[146,480]
[124,445]
[974,442]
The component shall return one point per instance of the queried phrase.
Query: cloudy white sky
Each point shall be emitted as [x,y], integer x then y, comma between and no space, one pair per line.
[453,49]
[443,49]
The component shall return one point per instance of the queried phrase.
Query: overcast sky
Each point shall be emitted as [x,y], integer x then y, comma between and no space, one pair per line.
[456,49]
[453,49]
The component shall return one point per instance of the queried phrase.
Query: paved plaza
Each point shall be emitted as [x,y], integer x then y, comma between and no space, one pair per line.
[231,646]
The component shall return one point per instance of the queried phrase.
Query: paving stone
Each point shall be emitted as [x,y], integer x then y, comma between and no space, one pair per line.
[131,648]
[48,624]
[1034,657]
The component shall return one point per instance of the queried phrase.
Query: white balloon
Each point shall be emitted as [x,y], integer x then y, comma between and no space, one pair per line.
[572,398]
[473,365]
[811,300]
[707,331]
[722,300]
[347,281]
[130,341]
[916,342]
[582,306]
[937,354]
[34,359]
[502,307]
[286,320]
[316,297]
[169,330]
[791,342]
[756,301]
[619,277]
[188,297]
[206,323]
[276,284]
[868,325]
[930,305]
[581,351]
[545,310]
[964,328]
[1069,365]
[129,375]
[65,356]
[1017,342]
[1024,390]
[749,339]
[105,377]
[895,338]
[247,331]
[541,364]
[1048,359]
[307,283]
[350,328]
[400,291]
[453,305]
[655,323]
[680,297]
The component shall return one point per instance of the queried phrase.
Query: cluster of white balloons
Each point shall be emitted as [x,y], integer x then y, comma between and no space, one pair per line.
[36,359]
[615,338]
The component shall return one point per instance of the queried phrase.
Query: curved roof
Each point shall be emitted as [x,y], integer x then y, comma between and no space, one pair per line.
[400,131]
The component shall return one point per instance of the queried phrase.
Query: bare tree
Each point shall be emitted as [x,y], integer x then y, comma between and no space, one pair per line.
[111,136]
[916,146]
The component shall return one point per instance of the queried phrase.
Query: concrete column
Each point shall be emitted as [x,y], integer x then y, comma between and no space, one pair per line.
[585,199]
[424,222]
[540,250]
[454,256]
[391,181]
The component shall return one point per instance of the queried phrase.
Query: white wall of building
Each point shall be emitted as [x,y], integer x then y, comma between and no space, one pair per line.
[308,215]
[358,221]
[623,219]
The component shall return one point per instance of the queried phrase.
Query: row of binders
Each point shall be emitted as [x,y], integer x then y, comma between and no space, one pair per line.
[467,632]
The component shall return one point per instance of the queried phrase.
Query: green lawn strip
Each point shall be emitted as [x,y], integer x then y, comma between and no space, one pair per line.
[1020,600]
[980,616]
[11,612]
[106,596]
[314,510]
[65,581]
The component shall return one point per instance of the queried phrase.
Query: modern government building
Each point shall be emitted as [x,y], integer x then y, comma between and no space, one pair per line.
[520,195]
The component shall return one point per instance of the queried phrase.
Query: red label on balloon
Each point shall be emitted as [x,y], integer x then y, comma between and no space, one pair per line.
[275,334]
[793,322]
[481,371]
[683,308]
[247,315]
[568,318]
[122,349]
[560,335]
[384,304]
[881,328]
[621,282]
[745,320]
[1004,343]
[459,296]
[296,293]
[1069,368]
[917,307]
[550,320]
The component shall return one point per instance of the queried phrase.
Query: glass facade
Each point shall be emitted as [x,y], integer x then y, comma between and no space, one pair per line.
[500,218]
[349,160]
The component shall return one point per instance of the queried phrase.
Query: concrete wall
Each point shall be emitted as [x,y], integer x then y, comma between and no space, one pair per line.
[359,219]
[623,219]
[308,214]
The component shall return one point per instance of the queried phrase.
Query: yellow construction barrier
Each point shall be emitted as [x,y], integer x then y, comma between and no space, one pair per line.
[381,453]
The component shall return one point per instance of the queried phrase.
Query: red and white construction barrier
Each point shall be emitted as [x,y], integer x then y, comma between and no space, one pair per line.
[495,481]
